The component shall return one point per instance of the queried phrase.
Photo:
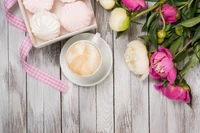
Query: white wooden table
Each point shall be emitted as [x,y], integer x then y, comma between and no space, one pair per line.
[120,104]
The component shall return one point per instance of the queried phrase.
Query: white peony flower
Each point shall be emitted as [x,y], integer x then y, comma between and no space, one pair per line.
[107,4]
[119,20]
[137,59]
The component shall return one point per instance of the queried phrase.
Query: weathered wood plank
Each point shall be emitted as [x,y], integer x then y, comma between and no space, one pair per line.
[17,81]
[44,109]
[122,81]
[158,108]
[105,119]
[87,109]
[4,43]
[87,105]
[139,91]
[131,95]
[70,108]
[192,115]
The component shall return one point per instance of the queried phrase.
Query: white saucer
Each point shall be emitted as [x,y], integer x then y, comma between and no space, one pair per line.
[101,74]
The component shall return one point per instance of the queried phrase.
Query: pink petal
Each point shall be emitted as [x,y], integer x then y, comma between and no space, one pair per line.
[165,50]
[172,76]
[184,97]
[167,66]
[153,74]
[159,87]
[142,3]
[134,5]
[172,92]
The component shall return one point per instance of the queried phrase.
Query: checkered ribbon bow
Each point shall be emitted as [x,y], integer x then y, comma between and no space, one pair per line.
[25,49]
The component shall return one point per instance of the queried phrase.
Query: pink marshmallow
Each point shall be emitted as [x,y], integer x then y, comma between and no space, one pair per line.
[35,6]
[75,16]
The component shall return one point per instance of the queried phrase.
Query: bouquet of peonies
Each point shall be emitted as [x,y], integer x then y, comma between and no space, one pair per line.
[173,28]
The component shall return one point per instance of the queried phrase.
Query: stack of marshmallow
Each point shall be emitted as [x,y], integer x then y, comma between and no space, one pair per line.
[73,16]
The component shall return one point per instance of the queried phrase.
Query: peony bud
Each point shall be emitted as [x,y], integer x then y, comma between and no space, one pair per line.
[137,59]
[134,5]
[119,20]
[162,34]
[170,13]
[179,30]
[160,40]
[174,92]
[107,4]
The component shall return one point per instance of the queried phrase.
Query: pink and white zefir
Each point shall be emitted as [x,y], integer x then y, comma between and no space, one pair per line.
[75,16]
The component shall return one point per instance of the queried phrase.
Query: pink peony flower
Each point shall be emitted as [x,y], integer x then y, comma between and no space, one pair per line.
[174,92]
[161,65]
[134,5]
[170,13]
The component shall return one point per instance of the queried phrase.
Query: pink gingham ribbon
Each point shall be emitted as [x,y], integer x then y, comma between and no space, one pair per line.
[25,49]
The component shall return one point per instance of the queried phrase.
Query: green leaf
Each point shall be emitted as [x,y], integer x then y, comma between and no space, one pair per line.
[169,34]
[120,33]
[144,27]
[191,22]
[169,41]
[117,2]
[180,57]
[153,32]
[190,103]
[151,19]
[167,28]
[197,50]
[196,35]
[198,10]
[190,3]
[176,45]
[145,38]
[191,63]
[187,32]
[133,14]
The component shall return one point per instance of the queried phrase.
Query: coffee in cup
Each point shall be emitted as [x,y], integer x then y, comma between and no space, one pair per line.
[83,58]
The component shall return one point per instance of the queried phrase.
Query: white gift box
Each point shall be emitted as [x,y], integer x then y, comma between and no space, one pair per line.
[64,34]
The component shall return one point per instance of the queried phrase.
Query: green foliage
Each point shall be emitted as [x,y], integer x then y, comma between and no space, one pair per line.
[186,29]
[176,45]
[180,57]
[153,32]
[196,35]
[190,22]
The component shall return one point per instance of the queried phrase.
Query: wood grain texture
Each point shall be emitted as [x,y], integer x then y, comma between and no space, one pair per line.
[87,101]
[158,108]
[87,105]
[70,107]
[105,107]
[44,110]
[17,80]
[192,115]
[120,104]
[139,91]
[131,95]
[122,81]
[4,82]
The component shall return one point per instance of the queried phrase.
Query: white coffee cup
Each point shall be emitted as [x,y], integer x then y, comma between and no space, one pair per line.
[84,58]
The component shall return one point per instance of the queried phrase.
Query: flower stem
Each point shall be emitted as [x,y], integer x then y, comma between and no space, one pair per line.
[183,48]
[150,9]
[161,15]
[183,6]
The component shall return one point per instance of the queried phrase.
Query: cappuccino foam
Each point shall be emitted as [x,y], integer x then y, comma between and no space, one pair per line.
[83,58]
